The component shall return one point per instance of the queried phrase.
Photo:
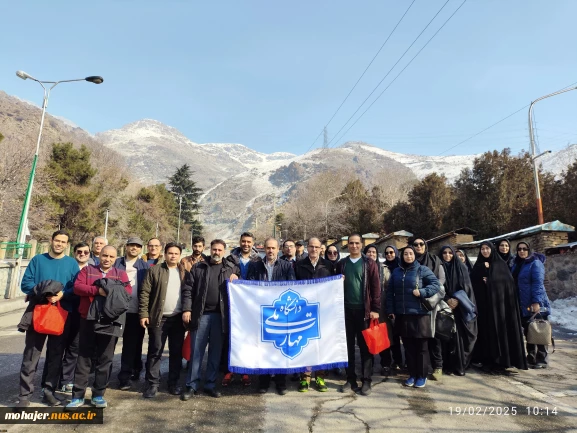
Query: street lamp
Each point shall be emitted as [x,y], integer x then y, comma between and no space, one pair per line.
[327,213]
[533,152]
[21,236]
[179,212]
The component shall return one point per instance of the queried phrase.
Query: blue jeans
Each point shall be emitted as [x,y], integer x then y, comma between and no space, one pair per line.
[209,331]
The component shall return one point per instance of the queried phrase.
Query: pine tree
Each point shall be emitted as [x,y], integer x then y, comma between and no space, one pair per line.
[183,187]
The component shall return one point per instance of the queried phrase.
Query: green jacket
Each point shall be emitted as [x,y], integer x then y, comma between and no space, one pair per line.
[153,293]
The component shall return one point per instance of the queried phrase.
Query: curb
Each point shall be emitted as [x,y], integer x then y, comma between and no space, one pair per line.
[10,305]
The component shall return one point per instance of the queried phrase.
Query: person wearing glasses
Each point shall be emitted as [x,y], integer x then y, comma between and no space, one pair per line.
[425,258]
[529,275]
[53,265]
[82,256]
[362,290]
[332,255]
[311,267]
[153,254]
[499,343]
[408,285]
[289,251]
[133,336]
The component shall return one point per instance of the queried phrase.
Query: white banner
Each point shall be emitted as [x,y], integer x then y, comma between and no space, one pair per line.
[287,326]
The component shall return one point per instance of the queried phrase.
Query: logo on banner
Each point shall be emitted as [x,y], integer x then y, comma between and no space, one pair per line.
[290,322]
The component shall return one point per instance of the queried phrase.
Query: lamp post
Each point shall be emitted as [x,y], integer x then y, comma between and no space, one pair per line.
[534,151]
[21,236]
[179,213]
[327,213]
[106,225]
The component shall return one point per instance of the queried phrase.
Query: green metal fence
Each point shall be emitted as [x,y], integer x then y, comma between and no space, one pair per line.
[13,249]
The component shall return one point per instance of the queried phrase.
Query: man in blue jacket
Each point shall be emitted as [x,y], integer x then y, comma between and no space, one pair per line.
[131,359]
[53,265]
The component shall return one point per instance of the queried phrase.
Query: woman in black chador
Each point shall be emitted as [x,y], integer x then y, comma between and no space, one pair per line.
[500,335]
[459,296]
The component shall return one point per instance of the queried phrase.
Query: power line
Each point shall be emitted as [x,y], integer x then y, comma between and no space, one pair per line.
[402,70]
[496,123]
[363,74]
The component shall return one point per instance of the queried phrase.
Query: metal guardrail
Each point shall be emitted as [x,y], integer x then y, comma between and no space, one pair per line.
[12,250]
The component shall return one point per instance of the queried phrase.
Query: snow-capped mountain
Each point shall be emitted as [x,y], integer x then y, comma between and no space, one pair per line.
[557,162]
[239,183]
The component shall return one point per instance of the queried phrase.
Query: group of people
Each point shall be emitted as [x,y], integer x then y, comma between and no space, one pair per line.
[492,303]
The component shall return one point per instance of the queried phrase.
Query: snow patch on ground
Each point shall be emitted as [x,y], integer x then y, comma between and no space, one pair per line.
[564,313]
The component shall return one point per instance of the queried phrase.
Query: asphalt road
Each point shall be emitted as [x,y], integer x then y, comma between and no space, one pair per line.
[498,403]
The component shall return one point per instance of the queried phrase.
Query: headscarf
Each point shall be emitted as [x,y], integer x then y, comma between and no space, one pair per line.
[334,262]
[427,259]
[392,264]
[508,257]
[404,264]
[467,261]
[519,262]
[369,247]
[456,274]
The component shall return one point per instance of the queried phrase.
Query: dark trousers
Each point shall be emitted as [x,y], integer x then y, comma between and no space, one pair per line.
[355,324]
[264,381]
[34,343]
[209,333]
[393,354]
[173,329]
[536,353]
[132,338]
[102,347]
[71,348]
[224,353]
[417,354]
[436,353]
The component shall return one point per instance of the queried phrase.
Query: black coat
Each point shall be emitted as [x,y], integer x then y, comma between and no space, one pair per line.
[283,271]
[38,296]
[195,287]
[109,312]
[304,269]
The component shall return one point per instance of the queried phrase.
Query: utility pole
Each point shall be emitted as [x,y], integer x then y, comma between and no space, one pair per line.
[179,212]
[305,233]
[534,151]
[274,216]
[106,225]
[156,229]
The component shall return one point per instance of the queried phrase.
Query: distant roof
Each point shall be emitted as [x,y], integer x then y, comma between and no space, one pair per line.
[555,226]
[554,249]
[371,236]
[403,233]
[461,231]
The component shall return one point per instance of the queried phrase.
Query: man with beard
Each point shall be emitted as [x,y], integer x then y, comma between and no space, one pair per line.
[197,256]
[425,258]
[271,269]
[289,251]
[205,308]
[54,265]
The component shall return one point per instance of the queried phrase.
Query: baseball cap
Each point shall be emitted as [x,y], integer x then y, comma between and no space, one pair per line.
[135,240]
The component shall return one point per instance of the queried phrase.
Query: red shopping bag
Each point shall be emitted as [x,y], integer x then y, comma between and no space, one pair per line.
[49,319]
[377,337]
[186,347]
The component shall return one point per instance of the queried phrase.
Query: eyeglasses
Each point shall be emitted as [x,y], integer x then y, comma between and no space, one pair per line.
[522,249]
[389,253]
[82,253]
[418,244]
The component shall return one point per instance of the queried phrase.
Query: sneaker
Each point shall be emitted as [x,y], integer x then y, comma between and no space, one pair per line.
[437,374]
[50,399]
[366,388]
[125,385]
[75,403]
[420,382]
[350,386]
[409,382]
[227,379]
[245,380]
[23,402]
[98,402]
[303,386]
[67,388]
[321,385]
[540,365]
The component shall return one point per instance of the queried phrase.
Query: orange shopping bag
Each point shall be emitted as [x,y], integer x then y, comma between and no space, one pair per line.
[377,337]
[186,347]
[49,319]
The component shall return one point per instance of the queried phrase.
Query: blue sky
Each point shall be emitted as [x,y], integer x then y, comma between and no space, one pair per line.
[270,74]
